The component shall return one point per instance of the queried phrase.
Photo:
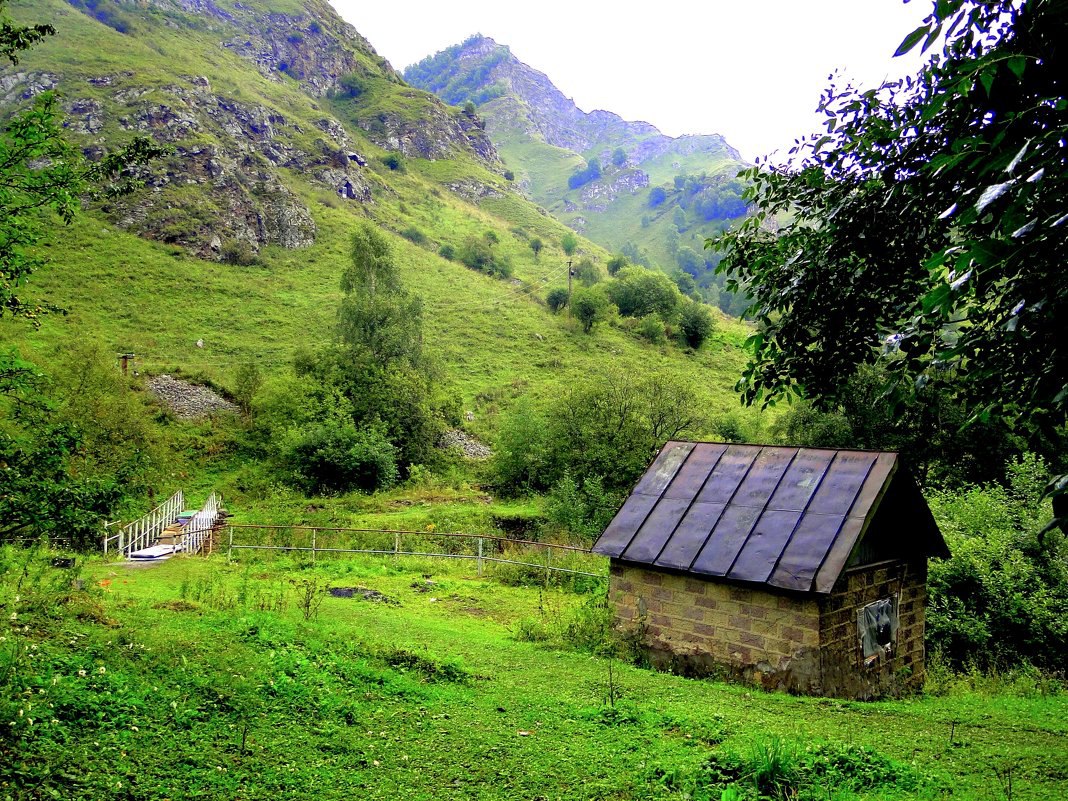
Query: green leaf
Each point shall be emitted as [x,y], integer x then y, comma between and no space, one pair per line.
[986,78]
[911,40]
[936,298]
[1018,64]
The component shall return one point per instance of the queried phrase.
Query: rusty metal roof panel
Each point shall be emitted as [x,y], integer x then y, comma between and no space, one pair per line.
[781,516]
[690,536]
[728,473]
[766,542]
[726,539]
[803,555]
[801,480]
[841,483]
[656,530]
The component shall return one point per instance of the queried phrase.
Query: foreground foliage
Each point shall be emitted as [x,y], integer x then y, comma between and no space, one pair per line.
[200,678]
[926,227]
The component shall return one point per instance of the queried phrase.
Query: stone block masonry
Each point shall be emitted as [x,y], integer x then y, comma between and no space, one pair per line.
[702,627]
[796,643]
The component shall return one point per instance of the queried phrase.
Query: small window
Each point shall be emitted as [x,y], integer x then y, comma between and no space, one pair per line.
[877,628]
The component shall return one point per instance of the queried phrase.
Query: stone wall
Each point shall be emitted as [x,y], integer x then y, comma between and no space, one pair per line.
[843,669]
[796,643]
[700,627]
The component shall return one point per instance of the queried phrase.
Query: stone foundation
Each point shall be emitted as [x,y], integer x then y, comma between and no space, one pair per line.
[789,642]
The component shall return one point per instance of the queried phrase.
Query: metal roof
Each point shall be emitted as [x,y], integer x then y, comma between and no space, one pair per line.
[779,516]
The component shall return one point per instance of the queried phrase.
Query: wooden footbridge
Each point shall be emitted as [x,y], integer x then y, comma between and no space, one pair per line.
[168,529]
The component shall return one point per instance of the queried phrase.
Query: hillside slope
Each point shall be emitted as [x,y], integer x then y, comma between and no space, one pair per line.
[287,129]
[624,184]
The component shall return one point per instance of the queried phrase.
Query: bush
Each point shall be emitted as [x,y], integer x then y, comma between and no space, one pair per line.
[589,307]
[999,601]
[414,235]
[588,273]
[238,253]
[393,161]
[582,508]
[521,452]
[351,85]
[651,329]
[657,195]
[556,299]
[610,426]
[638,292]
[478,254]
[334,456]
[591,172]
[695,324]
[447,251]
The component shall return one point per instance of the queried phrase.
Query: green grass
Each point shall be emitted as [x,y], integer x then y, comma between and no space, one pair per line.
[203,678]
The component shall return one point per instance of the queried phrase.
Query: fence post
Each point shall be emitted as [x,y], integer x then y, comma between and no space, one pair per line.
[480,556]
[396,543]
[314,530]
[548,554]
[230,546]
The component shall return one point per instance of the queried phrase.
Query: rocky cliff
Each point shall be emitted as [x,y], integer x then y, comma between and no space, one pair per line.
[252,103]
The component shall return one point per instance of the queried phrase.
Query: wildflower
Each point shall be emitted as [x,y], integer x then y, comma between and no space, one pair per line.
[81,672]
[134,728]
[14,616]
[101,669]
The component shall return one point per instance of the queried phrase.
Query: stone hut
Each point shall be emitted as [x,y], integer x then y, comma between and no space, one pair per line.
[797,569]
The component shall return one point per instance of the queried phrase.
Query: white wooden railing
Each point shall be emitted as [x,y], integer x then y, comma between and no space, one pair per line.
[144,532]
[199,527]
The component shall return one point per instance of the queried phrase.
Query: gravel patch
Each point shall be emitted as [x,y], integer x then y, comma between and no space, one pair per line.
[188,401]
[468,445]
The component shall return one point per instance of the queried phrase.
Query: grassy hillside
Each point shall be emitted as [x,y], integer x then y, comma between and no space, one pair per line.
[153,299]
[202,678]
[156,296]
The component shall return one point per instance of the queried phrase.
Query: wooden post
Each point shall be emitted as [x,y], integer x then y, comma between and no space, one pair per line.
[230,547]
[480,556]
[396,544]
[570,273]
[314,530]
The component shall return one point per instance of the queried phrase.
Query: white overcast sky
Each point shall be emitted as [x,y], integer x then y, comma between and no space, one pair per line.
[751,70]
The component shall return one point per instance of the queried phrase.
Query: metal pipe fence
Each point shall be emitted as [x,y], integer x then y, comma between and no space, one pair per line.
[483,549]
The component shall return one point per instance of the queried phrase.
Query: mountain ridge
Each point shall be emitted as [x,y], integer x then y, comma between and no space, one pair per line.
[624,184]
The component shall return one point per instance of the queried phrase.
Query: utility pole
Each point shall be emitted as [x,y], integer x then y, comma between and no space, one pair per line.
[570,274]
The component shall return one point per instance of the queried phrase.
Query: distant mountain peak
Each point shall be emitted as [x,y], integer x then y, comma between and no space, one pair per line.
[481,70]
